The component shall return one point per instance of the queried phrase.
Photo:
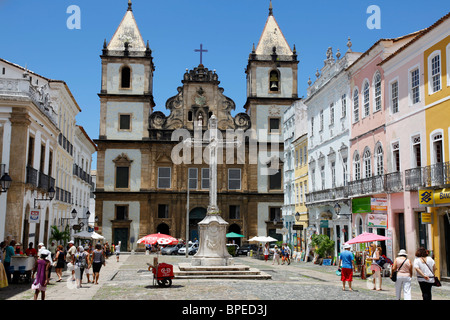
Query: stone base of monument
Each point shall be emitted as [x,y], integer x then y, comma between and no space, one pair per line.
[237,271]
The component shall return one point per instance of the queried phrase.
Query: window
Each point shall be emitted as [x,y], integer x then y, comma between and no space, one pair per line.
[322,176]
[357,167]
[274,125]
[379,158]
[312,126]
[437,148]
[345,169]
[301,157]
[366,99]
[435,73]
[344,105]
[205,178]
[355,106]
[235,212]
[332,114]
[125,78]
[367,164]
[274,81]
[124,122]
[394,96]
[304,155]
[121,212]
[122,177]
[275,180]
[3,70]
[417,160]
[396,156]
[193,178]
[377,85]
[163,211]
[333,174]
[275,214]
[313,178]
[415,89]
[234,179]
[164,175]
[321,120]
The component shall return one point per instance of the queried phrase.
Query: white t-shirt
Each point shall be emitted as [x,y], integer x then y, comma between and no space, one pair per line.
[418,263]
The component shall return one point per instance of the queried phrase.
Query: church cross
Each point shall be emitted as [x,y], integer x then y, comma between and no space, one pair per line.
[201,52]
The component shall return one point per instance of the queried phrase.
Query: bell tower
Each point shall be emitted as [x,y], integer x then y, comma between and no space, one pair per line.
[271,77]
[126,96]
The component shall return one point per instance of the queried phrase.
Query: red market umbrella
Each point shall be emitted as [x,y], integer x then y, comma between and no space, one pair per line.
[159,238]
[367,237]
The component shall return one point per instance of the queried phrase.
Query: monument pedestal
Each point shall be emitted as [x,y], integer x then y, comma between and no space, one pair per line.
[212,249]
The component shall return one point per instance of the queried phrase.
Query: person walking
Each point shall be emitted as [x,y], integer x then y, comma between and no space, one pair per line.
[404,269]
[282,254]
[376,269]
[79,262]
[425,268]
[9,252]
[266,252]
[276,255]
[41,271]
[347,265]
[98,259]
[60,259]
[88,269]
[117,250]
[69,258]
[288,254]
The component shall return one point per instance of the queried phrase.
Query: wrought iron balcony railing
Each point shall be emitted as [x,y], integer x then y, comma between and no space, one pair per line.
[435,175]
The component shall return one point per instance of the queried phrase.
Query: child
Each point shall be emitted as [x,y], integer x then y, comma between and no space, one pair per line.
[41,281]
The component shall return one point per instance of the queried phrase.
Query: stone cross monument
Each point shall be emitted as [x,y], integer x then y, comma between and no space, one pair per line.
[212,249]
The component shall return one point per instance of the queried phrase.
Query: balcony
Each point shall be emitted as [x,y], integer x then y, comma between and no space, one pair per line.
[32,176]
[436,175]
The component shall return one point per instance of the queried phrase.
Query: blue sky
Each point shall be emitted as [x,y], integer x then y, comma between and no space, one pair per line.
[35,33]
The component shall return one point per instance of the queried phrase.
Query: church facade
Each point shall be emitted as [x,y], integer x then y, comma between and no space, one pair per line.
[144,166]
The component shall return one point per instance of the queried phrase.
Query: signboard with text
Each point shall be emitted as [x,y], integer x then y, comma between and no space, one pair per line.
[378,205]
[35,215]
[430,198]
[377,220]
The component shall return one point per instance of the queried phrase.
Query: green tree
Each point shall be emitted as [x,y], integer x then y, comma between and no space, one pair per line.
[60,236]
[324,246]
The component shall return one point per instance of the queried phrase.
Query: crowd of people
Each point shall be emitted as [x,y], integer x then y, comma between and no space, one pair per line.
[401,271]
[77,260]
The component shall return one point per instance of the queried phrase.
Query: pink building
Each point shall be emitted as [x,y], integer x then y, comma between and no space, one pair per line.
[375,179]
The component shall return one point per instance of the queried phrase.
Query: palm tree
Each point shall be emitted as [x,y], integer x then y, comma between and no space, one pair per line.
[60,236]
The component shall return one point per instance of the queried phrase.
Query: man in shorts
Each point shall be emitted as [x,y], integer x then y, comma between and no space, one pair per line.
[70,253]
[347,264]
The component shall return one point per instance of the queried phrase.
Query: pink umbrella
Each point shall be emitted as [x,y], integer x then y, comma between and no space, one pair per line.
[159,238]
[367,237]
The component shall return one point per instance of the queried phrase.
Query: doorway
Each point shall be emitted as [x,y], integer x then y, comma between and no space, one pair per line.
[236,229]
[121,234]
[195,216]
[447,242]
[163,229]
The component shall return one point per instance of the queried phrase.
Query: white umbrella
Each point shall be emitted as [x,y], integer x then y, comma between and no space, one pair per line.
[263,239]
[88,235]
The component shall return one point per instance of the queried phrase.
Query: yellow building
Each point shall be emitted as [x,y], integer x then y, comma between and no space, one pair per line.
[437,110]
[301,188]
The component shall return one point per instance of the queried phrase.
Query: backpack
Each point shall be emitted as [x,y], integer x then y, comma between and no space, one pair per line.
[381,261]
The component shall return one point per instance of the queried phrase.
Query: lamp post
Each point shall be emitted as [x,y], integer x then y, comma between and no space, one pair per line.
[5,182]
[51,195]
[337,208]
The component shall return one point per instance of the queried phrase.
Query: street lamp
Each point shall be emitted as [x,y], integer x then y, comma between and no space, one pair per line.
[51,195]
[74,215]
[5,182]
[297,217]
[337,208]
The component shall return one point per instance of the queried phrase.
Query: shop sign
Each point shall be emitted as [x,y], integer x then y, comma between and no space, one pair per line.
[361,205]
[434,197]
[378,205]
[377,220]
[426,218]
[35,215]
[324,223]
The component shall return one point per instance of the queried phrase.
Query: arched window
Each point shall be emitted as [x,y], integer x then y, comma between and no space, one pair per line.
[377,93]
[356,167]
[274,81]
[355,105]
[125,77]
[366,98]
[367,164]
[379,159]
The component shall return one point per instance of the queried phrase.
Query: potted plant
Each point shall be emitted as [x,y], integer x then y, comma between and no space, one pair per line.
[324,247]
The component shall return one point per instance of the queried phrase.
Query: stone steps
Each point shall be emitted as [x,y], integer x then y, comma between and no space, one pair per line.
[187,271]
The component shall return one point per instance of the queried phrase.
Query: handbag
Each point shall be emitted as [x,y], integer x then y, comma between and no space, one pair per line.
[437,282]
[394,273]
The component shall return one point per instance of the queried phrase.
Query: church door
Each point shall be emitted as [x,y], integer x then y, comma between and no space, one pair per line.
[121,234]
[195,216]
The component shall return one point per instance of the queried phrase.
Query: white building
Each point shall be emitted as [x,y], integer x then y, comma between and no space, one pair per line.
[328,148]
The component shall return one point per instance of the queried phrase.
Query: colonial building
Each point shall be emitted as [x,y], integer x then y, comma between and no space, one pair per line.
[37,132]
[144,166]
[328,106]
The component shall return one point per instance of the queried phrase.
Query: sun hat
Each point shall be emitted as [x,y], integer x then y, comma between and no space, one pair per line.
[347,246]
[402,252]
[71,241]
